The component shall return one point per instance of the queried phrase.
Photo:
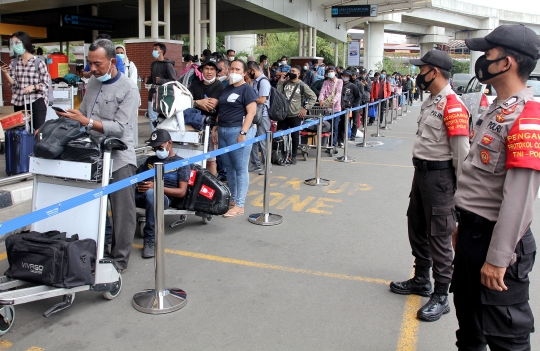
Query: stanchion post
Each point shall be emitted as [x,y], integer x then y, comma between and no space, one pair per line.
[405,105]
[386,127]
[266,218]
[159,300]
[378,134]
[346,158]
[366,118]
[318,181]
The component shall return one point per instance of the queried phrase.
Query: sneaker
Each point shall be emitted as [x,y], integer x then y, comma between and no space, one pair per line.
[254,169]
[261,172]
[149,250]
[293,160]
[340,145]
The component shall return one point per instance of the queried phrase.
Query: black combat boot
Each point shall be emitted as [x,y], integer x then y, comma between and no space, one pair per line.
[419,284]
[437,305]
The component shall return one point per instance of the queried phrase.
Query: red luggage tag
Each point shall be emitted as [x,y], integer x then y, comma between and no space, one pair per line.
[192,177]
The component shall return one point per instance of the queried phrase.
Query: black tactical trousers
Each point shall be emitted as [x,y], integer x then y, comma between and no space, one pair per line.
[430,220]
[501,319]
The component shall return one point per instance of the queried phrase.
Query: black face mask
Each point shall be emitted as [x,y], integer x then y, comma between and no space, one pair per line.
[421,81]
[481,68]
[293,76]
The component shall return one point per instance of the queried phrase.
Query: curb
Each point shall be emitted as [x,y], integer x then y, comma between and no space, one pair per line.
[14,194]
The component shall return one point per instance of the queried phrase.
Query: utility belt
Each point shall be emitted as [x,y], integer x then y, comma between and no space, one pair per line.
[470,219]
[425,165]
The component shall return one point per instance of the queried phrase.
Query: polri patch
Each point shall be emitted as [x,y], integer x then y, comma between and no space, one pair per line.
[510,110]
[485,157]
[500,118]
[487,139]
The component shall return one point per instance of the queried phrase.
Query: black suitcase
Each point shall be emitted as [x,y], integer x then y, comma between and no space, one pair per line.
[205,193]
[62,263]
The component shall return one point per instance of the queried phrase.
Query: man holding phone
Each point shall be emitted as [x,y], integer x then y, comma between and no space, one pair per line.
[109,108]
[176,183]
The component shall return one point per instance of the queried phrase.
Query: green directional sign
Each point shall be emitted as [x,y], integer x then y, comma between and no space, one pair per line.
[88,22]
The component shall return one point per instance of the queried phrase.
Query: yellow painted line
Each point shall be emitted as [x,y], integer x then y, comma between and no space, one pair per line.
[3,256]
[408,335]
[5,344]
[273,267]
[35,348]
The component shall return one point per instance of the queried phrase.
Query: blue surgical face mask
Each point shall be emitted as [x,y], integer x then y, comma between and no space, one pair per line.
[121,56]
[106,76]
[18,49]
[383,76]
[155,54]
[162,153]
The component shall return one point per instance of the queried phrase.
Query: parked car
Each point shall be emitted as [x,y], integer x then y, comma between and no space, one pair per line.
[478,96]
[460,80]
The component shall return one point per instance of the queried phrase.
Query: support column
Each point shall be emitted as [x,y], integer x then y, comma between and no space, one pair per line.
[425,47]
[204,26]
[306,41]
[367,31]
[344,54]
[314,52]
[212,15]
[301,42]
[191,27]
[94,13]
[375,52]
[336,53]
[197,41]
[167,19]
[309,42]
[154,18]
[142,27]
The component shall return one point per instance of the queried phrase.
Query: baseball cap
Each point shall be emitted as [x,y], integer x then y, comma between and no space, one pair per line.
[158,137]
[435,58]
[346,73]
[515,37]
[209,60]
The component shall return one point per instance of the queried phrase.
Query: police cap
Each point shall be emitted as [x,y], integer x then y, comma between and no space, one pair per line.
[435,58]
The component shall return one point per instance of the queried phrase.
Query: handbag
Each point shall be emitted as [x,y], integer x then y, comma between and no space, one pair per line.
[372,112]
[53,136]
[329,101]
[257,118]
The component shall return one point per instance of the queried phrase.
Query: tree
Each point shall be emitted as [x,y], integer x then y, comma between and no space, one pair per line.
[276,45]
[460,67]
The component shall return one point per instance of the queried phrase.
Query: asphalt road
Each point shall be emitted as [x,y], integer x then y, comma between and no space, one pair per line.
[317,281]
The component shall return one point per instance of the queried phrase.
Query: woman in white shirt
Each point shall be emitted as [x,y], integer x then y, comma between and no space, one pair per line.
[129,66]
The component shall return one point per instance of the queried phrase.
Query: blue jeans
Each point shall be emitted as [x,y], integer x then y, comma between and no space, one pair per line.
[335,132]
[146,200]
[152,115]
[236,162]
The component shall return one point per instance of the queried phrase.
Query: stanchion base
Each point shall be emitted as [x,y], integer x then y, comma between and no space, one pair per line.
[377,135]
[386,128]
[362,145]
[271,219]
[147,301]
[317,182]
[345,159]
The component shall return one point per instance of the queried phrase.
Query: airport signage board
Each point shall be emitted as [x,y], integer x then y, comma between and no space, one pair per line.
[88,22]
[355,11]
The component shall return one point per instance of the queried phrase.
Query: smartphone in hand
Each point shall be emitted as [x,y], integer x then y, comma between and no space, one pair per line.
[59,109]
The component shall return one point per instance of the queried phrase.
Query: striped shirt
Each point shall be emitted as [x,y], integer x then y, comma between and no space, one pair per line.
[25,75]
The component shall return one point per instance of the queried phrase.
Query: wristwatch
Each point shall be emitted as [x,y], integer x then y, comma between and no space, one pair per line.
[242,132]
[90,125]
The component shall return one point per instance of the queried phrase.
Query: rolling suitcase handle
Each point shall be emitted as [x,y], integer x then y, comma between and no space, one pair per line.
[29,124]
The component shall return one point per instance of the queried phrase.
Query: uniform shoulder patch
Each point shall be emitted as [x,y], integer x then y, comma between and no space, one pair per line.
[523,140]
[456,117]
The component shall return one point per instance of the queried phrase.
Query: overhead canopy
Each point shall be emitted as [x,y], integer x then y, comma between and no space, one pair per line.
[16,6]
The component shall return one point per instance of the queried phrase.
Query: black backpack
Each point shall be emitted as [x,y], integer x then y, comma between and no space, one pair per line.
[279,104]
[53,136]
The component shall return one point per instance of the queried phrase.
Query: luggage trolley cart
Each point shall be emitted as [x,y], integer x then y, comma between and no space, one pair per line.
[309,138]
[54,182]
[185,144]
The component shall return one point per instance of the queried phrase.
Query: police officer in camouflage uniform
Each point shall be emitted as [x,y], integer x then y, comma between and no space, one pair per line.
[441,145]
[494,246]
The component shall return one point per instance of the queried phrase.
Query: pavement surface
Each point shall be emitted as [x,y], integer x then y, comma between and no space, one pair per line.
[317,281]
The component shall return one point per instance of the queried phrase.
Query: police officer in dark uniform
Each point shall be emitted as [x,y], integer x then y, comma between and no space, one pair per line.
[494,246]
[441,145]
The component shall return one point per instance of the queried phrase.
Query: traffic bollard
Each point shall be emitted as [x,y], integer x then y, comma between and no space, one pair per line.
[159,300]
[378,134]
[345,158]
[366,118]
[318,181]
[266,218]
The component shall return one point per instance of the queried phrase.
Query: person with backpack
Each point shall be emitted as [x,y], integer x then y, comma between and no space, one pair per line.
[129,66]
[191,73]
[350,98]
[28,75]
[262,87]
[330,96]
[301,98]
[161,71]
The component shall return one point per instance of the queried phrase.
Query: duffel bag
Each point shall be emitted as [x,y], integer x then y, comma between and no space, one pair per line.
[208,194]
[62,263]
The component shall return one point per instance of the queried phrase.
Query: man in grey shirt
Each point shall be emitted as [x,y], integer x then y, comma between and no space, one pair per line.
[261,84]
[110,107]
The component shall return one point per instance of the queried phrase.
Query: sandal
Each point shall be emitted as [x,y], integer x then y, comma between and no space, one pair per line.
[232,204]
[233,212]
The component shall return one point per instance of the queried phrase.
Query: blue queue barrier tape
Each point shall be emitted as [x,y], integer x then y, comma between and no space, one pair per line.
[49,211]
